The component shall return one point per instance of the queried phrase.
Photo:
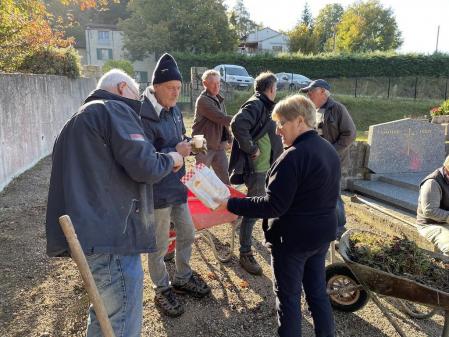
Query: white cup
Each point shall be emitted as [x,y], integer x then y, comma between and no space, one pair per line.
[198,141]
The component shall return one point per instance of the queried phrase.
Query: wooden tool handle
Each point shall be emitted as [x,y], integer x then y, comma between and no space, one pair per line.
[80,260]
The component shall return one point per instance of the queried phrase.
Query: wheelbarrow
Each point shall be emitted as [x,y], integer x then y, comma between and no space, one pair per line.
[350,285]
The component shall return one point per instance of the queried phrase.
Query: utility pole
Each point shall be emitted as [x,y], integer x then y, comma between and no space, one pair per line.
[438,35]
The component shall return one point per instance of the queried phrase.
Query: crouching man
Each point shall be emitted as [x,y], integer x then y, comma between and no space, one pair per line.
[432,214]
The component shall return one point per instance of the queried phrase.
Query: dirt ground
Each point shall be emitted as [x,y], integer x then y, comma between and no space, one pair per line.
[43,297]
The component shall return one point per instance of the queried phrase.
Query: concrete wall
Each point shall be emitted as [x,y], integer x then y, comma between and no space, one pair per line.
[33,109]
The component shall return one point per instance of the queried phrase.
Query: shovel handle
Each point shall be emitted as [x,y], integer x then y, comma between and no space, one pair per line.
[80,259]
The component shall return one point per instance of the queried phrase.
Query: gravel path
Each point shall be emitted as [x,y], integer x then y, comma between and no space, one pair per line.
[44,297]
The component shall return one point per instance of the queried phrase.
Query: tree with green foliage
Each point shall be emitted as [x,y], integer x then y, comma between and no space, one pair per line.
[240,20]
[306,16]
[124,65]
[173,25]
[368,26]
[325,27]
[302,38]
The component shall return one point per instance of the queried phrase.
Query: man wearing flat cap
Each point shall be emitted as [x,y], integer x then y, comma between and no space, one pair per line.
[334,123]
[164,126]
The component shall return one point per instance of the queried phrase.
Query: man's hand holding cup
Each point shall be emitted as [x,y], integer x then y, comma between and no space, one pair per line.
[199,144]
[184,148]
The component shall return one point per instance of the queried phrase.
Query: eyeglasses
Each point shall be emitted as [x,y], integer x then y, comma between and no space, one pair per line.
[280,123]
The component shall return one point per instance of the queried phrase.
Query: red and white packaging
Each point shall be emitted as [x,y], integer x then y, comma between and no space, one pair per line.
[206,186]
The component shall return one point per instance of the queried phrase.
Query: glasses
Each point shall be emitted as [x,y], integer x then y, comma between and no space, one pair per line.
[280,123]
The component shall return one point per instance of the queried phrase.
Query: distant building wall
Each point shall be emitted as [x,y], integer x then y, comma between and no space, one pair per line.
[33,109]
[105,42]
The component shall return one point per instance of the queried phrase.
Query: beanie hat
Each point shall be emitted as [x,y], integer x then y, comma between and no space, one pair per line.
[166,70]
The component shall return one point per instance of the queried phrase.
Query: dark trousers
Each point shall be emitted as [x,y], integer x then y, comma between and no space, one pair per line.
[256,188]
[292,271]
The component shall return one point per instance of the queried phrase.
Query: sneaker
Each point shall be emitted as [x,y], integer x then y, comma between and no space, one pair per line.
[166,300]
[249,263]
[195,287]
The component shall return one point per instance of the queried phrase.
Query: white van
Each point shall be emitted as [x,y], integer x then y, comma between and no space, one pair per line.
[235,76]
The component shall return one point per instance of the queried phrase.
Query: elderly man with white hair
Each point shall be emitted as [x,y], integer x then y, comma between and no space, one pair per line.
[334,123]
[102,173]
[432,214]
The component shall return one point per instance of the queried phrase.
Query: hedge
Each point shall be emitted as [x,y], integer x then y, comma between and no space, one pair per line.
[325,65]
[53,61]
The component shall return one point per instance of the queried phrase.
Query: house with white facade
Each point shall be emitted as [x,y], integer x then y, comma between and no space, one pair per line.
[105,42]
[265,40]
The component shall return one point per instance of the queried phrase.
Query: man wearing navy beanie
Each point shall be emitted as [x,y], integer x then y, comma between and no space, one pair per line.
[164,126]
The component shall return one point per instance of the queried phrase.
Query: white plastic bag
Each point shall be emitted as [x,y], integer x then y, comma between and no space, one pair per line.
[206,186]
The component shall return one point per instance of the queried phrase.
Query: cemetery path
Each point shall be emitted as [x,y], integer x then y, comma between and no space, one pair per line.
[43,297]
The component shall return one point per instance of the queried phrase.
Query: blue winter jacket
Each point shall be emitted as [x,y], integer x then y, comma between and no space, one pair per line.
[165,131]
[103,168]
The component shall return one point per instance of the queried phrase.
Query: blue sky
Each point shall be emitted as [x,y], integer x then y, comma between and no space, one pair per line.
[417,20]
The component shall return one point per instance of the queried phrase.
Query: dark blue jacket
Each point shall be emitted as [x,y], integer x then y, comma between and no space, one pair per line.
[302,188]
[102,162]
[165,131]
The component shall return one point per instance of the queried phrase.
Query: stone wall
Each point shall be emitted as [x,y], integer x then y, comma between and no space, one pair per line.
[33,109]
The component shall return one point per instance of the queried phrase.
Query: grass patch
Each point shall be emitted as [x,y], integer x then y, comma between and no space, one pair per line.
[365,111]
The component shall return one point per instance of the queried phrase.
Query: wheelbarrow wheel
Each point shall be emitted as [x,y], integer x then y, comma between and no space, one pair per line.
[345,292]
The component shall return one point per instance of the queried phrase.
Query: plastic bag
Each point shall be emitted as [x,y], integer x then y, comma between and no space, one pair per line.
[206,186]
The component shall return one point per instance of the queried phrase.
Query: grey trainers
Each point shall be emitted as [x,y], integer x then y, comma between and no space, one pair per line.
[195,287]
[249,263]
[168,303]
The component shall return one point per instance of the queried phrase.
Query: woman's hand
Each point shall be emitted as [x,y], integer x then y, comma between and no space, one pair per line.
[222,204]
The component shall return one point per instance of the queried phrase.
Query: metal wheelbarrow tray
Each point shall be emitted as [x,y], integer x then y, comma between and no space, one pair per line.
[387,284]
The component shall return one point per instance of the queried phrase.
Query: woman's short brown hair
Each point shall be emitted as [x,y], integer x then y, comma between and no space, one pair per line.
[294,106]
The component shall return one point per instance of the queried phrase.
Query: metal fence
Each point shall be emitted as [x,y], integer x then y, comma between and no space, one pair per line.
[413,87]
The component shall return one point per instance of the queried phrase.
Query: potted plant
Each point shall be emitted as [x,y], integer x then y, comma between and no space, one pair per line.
[440,114]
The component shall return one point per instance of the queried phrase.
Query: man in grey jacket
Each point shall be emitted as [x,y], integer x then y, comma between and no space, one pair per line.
[334,123]
[432,214]
[212,121]
[103,168]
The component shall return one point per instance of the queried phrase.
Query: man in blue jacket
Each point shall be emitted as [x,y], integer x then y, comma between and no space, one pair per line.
[102,163]
[164,126]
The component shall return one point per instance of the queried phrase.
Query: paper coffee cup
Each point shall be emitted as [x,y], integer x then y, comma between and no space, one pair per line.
[198,141]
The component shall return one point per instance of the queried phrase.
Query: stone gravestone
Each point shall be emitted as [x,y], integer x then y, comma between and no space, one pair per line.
[405,146]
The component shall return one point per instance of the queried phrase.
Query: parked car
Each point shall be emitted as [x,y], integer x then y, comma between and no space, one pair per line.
[292,81]
[235,76]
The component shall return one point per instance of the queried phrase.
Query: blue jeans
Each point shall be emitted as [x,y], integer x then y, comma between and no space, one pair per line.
[292,271]
[341,217]
[185,235]
[256,188]
[119,280]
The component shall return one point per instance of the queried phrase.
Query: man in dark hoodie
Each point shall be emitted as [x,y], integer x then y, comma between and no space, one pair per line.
[164,126]
[102,163]
[255,147]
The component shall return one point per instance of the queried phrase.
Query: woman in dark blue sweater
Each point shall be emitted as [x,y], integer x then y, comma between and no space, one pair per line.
[299,215]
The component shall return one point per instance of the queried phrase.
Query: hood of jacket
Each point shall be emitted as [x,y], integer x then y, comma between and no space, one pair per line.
[269,104]
[100,94]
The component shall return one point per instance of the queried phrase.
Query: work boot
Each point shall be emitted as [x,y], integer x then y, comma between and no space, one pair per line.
[195,287]
[249,263]
[168,303]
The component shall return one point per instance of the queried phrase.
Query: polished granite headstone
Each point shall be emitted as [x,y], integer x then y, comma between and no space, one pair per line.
[406,145]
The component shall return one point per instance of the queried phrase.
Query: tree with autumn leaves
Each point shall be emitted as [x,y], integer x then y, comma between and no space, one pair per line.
[26,30]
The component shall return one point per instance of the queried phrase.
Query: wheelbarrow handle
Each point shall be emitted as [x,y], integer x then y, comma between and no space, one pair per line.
[80,259]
